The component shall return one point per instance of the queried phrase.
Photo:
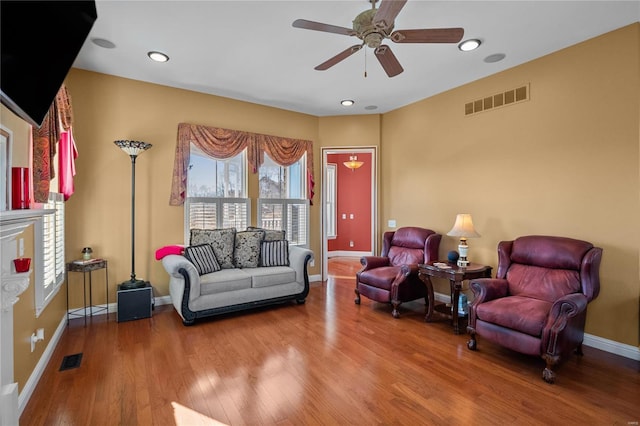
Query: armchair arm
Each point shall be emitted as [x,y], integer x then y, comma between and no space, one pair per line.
[564,329]
[485,289]
[372,262]
[404,272]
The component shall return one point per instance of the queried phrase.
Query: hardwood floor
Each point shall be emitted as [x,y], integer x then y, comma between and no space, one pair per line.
[326,362]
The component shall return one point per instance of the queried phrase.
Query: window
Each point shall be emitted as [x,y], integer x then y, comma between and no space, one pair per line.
[52,248]
[283,203]
[216,193]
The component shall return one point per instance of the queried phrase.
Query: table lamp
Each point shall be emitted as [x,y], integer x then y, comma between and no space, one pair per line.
[464,229]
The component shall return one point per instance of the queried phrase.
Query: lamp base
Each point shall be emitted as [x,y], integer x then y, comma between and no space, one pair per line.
[128,285]
[463,263]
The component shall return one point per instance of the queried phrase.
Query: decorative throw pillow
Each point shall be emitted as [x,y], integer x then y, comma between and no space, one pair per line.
[269,234]
[222,241]
[247,252]
[274,253]
[167,250]
[203,258]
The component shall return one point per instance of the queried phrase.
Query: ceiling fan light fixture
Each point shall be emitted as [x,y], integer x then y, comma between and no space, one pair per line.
[347,102]
[469,45]
[158,56]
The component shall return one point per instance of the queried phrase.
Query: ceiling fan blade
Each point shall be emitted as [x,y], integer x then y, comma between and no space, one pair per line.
[339,57]
[317,26]
[387,13]
[388,61]
[433,35]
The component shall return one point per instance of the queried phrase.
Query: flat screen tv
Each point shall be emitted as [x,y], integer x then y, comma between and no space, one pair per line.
[39,43]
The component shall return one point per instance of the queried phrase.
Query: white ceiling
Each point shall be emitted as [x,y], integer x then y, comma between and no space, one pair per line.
[248,50]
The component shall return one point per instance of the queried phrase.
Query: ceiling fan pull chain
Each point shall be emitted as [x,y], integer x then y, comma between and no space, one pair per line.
[365,63]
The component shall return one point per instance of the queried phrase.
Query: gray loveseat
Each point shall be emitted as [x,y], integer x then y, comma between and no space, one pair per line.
[240,282]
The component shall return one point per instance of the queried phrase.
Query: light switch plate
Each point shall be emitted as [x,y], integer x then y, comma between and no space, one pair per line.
[391,223]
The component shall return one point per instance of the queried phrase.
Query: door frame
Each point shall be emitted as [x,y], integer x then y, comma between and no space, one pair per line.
[325,151]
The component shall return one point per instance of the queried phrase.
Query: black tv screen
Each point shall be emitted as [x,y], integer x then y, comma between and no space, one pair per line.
[39,43]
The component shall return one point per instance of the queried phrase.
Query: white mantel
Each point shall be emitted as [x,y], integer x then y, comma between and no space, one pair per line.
[12,224]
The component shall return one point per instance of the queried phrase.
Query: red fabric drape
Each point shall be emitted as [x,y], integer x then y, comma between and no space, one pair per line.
[225,143]
[45,139]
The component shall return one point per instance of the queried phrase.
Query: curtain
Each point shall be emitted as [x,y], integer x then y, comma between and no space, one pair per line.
[59,119]
[225,143]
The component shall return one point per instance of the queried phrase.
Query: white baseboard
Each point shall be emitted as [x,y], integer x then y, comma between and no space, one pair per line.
[347,253]
[590,340]
[34,378]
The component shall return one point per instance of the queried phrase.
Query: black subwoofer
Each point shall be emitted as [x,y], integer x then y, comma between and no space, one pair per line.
[135,303]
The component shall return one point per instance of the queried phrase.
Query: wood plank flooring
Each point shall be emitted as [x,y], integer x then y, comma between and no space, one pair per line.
[327,362]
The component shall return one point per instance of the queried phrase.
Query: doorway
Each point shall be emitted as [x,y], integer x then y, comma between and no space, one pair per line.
[349,203]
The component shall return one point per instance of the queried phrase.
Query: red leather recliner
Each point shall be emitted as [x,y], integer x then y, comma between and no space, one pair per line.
[537,304]
[392,277]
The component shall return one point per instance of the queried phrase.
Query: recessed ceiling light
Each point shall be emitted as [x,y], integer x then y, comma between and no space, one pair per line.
[371,107]
[469,45]
[347,102]
[103,43]
[496,57]
[158,56]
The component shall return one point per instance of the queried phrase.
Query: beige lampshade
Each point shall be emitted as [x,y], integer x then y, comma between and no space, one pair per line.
[463,227]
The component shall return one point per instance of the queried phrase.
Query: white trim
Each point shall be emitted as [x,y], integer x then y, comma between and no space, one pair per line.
[346,253]
[37,372]
[612,346]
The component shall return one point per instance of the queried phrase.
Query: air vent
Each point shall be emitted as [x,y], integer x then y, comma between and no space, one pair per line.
[71,361]
[508,97]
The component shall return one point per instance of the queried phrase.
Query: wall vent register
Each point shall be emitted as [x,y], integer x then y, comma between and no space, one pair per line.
[499,100]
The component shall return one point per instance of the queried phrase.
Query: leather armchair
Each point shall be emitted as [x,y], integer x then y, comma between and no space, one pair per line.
[537,304]
[392,277]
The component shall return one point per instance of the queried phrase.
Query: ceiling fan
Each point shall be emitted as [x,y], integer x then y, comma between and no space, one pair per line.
[372,27]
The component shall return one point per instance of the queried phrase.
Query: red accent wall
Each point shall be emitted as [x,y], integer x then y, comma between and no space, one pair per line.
[354,197]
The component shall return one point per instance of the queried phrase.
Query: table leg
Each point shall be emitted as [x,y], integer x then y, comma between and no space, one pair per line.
[84,295]
[430,298]
[455,289]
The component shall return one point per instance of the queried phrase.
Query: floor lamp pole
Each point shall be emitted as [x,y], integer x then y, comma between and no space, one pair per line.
[133,218]
[133,148]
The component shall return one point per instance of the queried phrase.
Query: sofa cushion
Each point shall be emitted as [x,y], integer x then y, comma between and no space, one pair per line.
[270,234]
[274,253]
[267,277]
[224,280]
[247,249]
[203,258]
[222,241]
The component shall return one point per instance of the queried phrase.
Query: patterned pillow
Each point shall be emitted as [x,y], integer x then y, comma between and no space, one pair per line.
[202,258]
[269,234]
[274,253]
[222,241]
[247,252]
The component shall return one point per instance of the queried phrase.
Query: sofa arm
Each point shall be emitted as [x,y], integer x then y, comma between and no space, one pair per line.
[298,260]
[174,265]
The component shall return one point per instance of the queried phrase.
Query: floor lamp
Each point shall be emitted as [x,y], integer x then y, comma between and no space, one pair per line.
[133,148]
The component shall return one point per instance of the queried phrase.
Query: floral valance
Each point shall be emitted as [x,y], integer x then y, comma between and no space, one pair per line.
[225,143]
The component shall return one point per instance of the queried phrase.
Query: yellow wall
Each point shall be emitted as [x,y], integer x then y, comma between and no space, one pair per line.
[563,163]
[109,108]
[566,162]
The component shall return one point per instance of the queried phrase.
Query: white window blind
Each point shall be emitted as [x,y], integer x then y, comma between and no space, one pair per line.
[216,213]
[289,214]
[52,248]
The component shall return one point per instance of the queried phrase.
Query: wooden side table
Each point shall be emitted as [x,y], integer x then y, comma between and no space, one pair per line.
[456,275]
[87,268]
